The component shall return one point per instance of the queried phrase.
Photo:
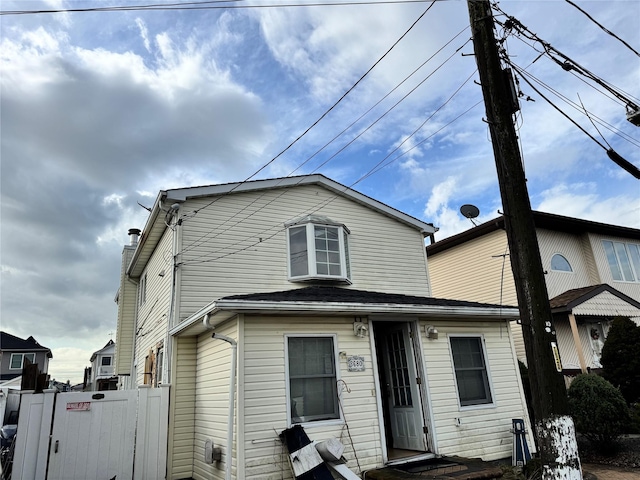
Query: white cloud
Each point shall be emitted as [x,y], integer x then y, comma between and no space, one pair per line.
[144,33]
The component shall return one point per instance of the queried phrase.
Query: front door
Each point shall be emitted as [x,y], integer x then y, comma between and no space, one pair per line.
[402,395]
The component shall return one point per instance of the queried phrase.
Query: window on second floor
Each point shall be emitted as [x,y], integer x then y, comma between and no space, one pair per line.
[106,361]
[17,360]
[142,294]
[560,264]
[318,249]
[624,260]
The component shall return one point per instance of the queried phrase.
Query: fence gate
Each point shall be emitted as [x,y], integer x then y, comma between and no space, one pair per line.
[119,435]
[93,436]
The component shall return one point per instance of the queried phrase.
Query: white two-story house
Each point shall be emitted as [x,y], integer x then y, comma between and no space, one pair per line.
[298,300]
[592,273]
[101,374]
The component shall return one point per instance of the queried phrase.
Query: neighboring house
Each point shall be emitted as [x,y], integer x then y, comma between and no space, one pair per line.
[101,374]
[15,351]
[324,295]
[592,272]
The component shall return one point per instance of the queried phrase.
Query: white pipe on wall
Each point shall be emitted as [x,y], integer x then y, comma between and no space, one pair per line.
[232,397]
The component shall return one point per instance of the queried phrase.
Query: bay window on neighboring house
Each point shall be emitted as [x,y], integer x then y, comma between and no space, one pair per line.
[471,372]
[17,360]
[623,259]
[311,378]
[318,248]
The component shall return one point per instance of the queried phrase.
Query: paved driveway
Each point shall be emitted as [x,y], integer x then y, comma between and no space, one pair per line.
[604,472]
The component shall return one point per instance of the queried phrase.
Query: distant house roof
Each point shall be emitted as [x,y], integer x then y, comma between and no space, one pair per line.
[12,343]
[330,300]
[548,221]
[567,301]
[155,225]
[98,352]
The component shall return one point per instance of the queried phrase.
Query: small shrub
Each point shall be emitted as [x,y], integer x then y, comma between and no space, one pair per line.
[599,411]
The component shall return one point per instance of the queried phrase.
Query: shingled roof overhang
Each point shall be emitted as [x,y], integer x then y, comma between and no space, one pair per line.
[567,301]
[547,221]
[336,301]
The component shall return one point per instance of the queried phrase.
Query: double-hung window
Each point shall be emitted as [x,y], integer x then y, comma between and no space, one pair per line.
[17,360]
[472,378]
[312,389]
[318,249]
[624,260]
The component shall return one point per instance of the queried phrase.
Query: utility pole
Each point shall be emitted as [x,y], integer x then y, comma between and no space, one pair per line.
[554,428]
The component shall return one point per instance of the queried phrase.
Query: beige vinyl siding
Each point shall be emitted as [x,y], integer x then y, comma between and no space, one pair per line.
[152,318]
[235,246]
[474,432]
[631,289]
[265,413]
[570,247]
[474,271]
[183,403]
[213,363]
[125,334]
[567,347]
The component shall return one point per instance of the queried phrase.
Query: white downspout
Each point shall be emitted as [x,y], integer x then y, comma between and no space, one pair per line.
[232,394]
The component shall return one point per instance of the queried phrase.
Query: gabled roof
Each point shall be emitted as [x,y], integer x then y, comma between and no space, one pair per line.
[12,343]
[547,221]
[155,225]
[330,300]
[109,344]
[567,301]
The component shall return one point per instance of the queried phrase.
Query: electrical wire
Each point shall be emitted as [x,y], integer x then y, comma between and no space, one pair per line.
[603,28]
[568,64]
[220,232]
[615,157]
[195,212]
[208,5]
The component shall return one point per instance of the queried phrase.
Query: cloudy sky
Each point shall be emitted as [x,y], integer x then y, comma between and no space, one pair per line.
[100,110]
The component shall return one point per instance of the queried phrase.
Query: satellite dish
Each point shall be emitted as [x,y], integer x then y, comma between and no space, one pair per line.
[469,211]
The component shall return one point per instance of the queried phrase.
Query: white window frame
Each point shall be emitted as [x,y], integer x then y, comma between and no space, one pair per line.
[143,290]
[312,273]
[312,423]
[23,355]
[479,406]
[565,259]
[635,268]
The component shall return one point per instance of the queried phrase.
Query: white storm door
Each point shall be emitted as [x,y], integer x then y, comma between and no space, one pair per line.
[402,387]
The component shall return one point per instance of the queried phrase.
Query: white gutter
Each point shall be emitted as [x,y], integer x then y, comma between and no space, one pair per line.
[232,392]
[230,307]
[497,312]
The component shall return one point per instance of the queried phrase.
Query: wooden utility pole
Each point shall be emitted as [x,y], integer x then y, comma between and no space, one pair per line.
[554,429]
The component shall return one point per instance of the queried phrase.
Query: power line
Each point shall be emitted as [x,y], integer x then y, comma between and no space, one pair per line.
[319,119]
[266,235]
[568,64]
[603,28]
[218,233]
[614,156]
[208,5]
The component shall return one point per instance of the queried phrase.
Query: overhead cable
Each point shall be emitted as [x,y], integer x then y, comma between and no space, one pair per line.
[193,213]
[612,154]
[603,28]
[217,228]
[208,5]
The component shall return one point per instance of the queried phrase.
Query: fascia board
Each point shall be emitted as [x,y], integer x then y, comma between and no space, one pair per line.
[243,306]
[150,230]
[183,194]
[222,310]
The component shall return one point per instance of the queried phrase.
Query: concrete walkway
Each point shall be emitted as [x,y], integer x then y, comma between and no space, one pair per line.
[605,472]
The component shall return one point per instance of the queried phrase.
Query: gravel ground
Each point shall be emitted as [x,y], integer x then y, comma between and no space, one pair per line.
[627,456]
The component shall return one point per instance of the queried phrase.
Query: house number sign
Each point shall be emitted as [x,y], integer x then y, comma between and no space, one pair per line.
[355,363]
[78,406]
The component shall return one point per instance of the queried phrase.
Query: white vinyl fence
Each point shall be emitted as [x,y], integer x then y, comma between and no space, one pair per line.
[118,434]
